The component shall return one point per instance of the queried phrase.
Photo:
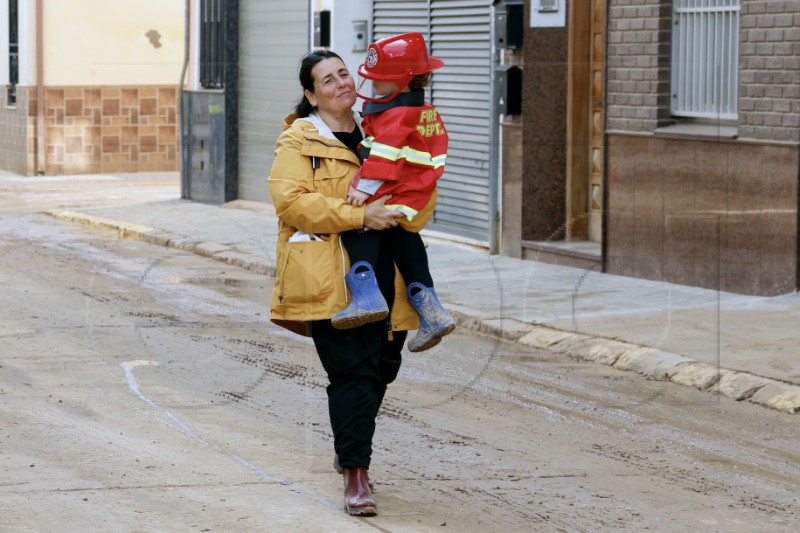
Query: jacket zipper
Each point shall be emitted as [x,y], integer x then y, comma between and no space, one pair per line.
[344,266]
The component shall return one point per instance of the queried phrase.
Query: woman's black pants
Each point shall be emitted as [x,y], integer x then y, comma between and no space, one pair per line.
[360,363]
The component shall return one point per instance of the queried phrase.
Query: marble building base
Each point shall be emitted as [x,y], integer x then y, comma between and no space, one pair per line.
[716,214]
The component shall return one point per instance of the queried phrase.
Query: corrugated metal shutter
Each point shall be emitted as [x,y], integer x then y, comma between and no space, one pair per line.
[273,37]
[461,37]
[458,32]
[390,17]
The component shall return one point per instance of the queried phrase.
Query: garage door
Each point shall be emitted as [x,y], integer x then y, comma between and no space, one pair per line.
[458,32]
[274,35]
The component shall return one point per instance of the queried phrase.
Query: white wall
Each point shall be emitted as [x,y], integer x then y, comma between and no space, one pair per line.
[343,13]
[104,42]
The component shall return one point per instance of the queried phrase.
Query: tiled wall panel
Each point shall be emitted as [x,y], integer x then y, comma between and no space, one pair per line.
[17,141]
[111,129]
[92,129]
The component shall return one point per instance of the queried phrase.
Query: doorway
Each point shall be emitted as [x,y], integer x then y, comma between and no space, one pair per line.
[586,119]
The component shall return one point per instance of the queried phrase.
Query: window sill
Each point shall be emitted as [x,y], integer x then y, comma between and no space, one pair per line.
[698,131]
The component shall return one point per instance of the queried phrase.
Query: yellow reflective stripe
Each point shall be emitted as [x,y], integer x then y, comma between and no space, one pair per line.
[409,154]
[407,211]
[415,156]
[385,151]
[367,142]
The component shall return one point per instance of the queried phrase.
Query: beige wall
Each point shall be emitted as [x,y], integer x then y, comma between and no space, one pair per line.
[104,42]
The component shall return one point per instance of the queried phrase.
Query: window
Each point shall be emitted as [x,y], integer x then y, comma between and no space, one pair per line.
[705,59]
[13,53]
[212,44]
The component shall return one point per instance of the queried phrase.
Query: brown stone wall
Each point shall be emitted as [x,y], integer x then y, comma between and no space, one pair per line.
[544,106]
[720,215]
[111,129]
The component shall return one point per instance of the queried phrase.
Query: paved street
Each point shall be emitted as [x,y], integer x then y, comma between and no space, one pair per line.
[143,389]
[742,347]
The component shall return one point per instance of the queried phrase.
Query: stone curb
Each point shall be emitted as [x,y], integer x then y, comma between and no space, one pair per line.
[667,366]
[217,251]
[649,362]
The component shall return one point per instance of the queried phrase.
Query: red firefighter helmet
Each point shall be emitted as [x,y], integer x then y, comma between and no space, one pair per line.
[397,59]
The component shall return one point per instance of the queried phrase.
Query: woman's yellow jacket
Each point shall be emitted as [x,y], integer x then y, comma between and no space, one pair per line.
[309,277]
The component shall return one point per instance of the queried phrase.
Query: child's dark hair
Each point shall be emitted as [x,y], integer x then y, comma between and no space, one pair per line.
[420,82]
[304,107]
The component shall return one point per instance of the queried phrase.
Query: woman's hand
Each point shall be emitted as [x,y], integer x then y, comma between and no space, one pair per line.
[377,217]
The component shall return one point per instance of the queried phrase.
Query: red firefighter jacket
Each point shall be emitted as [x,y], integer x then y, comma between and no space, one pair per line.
[406,143]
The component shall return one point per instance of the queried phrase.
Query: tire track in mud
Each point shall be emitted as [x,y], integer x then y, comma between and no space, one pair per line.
[517,500]
[648,444]
[262,354]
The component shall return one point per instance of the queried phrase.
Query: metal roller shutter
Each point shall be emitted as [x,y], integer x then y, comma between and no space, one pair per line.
[458,32]
[390,17]
[274,36]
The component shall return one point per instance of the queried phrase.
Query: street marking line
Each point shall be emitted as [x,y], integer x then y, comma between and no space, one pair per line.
[179,426]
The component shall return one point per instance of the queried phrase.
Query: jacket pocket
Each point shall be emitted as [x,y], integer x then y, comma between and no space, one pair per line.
[306,272]
[333,179]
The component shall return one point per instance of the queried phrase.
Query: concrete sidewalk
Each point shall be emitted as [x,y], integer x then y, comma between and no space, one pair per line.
[743,347]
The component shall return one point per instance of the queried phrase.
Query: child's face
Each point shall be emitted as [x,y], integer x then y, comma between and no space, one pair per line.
[384,88]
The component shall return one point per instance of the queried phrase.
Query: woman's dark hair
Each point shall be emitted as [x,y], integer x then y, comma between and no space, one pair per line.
[304,107]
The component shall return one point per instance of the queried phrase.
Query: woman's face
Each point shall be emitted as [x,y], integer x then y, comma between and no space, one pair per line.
[334,87]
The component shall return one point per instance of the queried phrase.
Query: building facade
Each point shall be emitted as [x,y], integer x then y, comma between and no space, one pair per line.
[89,85]
[650,138]
[703,143]
[241,81]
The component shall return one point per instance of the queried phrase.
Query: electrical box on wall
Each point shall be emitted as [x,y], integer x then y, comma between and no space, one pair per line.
[322,29]
[360,35]
[508,89]
[548,13]
[508,23]
[547,6]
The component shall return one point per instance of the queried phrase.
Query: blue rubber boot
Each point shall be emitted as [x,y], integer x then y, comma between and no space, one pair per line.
[367,303]
[434,320]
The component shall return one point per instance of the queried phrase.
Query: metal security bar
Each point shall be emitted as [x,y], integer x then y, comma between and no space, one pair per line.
[705,58]
[212,44]
[13,53]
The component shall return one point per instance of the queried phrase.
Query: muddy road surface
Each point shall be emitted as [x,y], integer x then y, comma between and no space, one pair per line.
[144,389]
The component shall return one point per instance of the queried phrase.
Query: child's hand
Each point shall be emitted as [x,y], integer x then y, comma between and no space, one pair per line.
[356,197]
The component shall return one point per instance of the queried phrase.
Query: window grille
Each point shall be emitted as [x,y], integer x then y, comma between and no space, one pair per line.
[13,53]
[705,58]
[212,44]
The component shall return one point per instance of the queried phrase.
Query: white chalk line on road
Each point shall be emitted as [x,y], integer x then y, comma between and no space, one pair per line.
[179,426]
[134,386]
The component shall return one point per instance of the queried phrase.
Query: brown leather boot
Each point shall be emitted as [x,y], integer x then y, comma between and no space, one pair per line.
[338,468]
[358,498]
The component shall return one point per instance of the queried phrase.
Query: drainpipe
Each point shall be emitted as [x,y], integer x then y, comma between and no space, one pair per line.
[185,193]
[41,138]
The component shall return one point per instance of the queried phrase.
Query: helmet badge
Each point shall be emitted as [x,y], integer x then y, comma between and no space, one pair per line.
[372,57]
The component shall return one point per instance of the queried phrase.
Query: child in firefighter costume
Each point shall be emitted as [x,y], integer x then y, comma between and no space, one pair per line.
[403,155]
